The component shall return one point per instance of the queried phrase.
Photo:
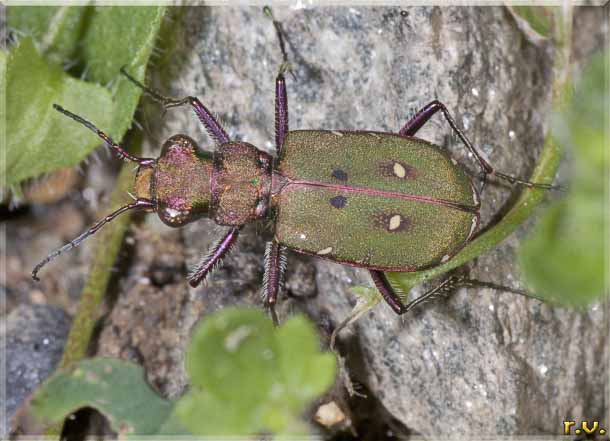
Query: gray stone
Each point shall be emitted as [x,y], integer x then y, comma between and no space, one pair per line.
[481,363]
[32,339]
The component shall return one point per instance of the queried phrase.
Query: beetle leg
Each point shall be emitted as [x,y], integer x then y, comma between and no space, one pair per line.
[450,284]
[387,292]
[281,98]
[281,112]
[273,280]
[212,126]
[213,258]
[426,112]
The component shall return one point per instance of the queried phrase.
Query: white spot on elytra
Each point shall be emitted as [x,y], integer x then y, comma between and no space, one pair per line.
[394,222]
[399,170]
[325,251]
[475,194]
[473,226]
[334,132]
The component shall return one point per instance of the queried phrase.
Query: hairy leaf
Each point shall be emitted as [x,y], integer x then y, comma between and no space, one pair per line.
[39,139]
[57,29]
[97,39]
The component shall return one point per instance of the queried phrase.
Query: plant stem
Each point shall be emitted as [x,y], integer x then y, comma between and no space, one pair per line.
[106,248]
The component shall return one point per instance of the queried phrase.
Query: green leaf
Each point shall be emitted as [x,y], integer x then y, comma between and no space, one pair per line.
[205,414]
[117,37]
[116,388]
[306,372]
[249,377]
[39,139]
[230,354]
[58,29]
[563,260]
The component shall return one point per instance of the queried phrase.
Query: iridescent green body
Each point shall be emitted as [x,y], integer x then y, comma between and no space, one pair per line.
[376,200]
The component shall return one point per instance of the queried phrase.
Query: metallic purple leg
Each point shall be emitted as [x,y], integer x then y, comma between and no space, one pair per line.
[138,204]
[212,126]
[275,254]
[448,285]
[281,112]
[387,292]
[213,258]
[426,112]
[275,264]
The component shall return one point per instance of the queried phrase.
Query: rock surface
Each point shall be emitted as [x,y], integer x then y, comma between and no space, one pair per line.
[32,338]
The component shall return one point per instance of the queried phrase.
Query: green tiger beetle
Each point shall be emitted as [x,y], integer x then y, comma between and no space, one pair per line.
[375,200]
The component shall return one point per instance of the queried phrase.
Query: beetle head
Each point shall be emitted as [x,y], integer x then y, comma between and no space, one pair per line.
[178,182]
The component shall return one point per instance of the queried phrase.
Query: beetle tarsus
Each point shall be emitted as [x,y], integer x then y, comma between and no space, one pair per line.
[528,184]
[448,285]
[426,112]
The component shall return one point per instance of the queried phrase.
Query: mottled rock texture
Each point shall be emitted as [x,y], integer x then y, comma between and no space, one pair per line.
[32,338]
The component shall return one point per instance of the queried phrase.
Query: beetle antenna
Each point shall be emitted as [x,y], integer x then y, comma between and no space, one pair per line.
[122,153]
[138,204]
[155,95]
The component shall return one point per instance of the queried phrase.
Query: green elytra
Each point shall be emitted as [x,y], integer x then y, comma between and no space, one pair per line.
[374,200]
[380,201]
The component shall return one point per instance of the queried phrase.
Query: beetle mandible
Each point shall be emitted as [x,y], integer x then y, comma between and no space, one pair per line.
[399,204]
